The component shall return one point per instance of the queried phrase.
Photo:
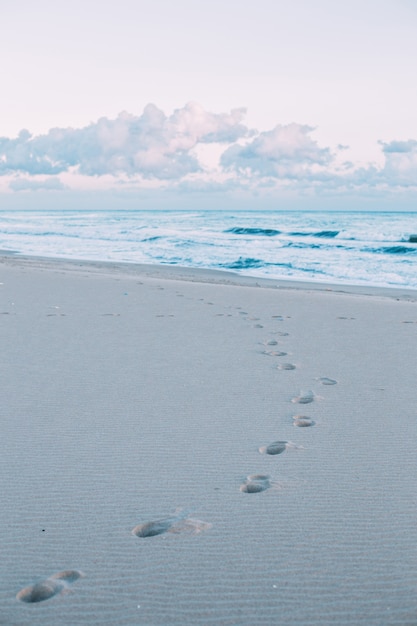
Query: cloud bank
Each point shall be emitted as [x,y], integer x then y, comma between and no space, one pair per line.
[151,145]
[156,151]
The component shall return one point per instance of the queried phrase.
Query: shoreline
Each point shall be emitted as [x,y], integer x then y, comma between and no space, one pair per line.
[198,275]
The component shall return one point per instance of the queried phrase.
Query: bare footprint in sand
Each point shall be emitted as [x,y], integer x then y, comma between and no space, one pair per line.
[256,483]
[274,353]
[304,397]
[278,447]
[55,584]
[302,421]
[175,524]
[327,381]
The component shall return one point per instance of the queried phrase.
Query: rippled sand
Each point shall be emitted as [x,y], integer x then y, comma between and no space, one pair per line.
[139,398]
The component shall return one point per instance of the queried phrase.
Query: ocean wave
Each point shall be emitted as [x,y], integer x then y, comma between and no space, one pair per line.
[243,263]
[393,250]
[303,246]
[40,233]
[328,234]
[325,234]
[240,230]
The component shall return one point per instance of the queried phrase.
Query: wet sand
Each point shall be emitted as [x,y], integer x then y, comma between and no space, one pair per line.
[194,447]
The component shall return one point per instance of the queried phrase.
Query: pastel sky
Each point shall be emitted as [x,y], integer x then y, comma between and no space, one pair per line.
[227,103]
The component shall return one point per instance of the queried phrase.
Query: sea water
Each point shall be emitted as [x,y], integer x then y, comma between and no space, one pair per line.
[362,248]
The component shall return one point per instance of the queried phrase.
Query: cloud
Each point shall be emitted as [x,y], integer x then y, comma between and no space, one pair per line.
[196,152]
[22,154]
[152,145]
[26,184]
[399,146]
[283,152]
[400,168]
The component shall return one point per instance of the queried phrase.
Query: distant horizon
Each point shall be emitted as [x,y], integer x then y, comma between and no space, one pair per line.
[235,210]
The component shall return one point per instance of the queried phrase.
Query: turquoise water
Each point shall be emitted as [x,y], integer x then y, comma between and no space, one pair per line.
[343,247]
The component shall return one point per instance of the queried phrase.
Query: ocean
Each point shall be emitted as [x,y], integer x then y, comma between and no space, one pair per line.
[356,248]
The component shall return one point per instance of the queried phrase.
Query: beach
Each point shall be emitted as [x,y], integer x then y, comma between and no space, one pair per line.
[139,485]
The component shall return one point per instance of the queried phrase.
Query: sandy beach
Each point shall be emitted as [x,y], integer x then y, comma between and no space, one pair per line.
[191,447]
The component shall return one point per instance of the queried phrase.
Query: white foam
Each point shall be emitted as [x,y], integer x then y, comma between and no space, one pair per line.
[356,255]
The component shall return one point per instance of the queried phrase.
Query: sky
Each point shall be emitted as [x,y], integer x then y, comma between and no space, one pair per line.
[220,104]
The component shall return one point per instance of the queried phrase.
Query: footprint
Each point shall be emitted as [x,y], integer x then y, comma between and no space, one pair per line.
[274,353]
[68,576]
[151,529]
[304,397]
[174,524]
[57,583]
[278,447]
[256,483]
[286,366]
[272,342]
[302,421]
[40,591]
[157,527]
[327,381]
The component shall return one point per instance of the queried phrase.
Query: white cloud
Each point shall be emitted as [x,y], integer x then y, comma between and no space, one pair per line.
[23,154]
[400,168]
[196,152]
[283,152]
[151,145]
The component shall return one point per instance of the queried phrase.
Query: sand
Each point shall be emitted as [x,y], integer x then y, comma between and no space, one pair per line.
[138,405]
